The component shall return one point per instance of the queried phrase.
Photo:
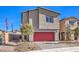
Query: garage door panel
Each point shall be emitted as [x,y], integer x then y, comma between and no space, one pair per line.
[44,36]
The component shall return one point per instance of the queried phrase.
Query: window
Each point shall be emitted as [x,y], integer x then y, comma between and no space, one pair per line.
[71,22]
[49,19]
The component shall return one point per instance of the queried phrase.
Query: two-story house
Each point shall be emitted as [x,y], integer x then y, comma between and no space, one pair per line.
[45,24]
[67,27]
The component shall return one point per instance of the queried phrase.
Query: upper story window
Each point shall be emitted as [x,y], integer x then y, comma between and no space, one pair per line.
[49,19]
[71,22]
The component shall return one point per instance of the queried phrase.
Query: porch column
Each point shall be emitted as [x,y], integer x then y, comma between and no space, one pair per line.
[60,36]
[6,38]
[65,36]
[57,35]
[31,37]
[72,37]
[78,38]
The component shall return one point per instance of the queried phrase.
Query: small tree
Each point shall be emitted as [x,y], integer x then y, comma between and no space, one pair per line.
[26,30]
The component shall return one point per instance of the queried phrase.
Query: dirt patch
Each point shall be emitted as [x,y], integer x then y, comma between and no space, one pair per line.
[26,46]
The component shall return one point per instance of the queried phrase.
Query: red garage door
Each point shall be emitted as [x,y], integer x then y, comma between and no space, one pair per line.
[44,36]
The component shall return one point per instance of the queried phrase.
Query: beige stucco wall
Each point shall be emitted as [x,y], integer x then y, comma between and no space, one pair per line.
[25,16]
[33,16]
[44,25]
[39,21]
[6,38]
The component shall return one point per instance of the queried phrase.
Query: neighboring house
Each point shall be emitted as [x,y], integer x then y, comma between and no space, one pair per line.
[45,24]
[14,36]
[68,25]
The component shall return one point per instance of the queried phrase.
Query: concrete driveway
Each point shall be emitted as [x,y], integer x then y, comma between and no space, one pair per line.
[65,49]
[56,45]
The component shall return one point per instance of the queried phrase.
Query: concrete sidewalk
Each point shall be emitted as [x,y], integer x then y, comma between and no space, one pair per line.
[4,48]
[66,49]
[61,46]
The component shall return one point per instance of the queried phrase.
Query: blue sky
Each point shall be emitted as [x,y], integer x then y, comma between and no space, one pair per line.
[14,13]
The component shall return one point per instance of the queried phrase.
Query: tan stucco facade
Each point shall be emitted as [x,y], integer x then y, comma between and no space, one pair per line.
[45,25]
[38,21]
[64,24]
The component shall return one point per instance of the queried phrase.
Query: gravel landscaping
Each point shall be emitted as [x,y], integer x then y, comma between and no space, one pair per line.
[26,46]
